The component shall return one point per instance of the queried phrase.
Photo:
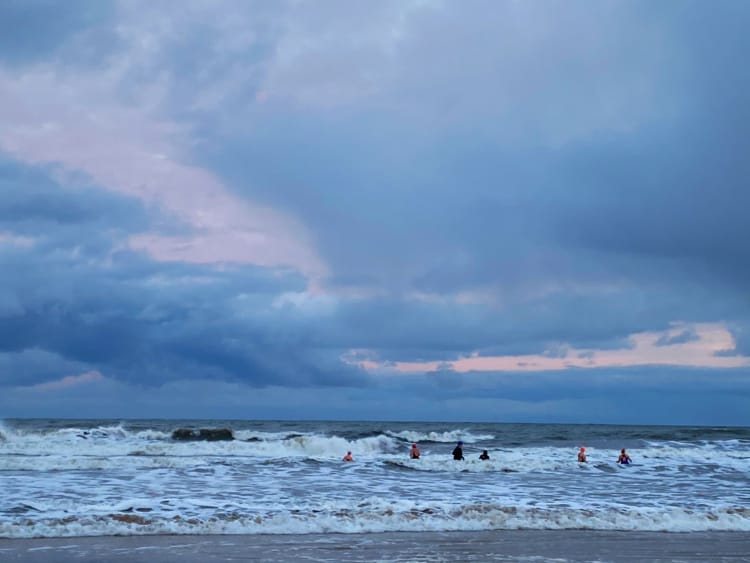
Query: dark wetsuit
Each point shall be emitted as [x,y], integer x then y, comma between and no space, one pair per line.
[458,453]
[484,455]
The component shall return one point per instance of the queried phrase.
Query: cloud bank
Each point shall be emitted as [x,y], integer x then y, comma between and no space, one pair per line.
[485,211]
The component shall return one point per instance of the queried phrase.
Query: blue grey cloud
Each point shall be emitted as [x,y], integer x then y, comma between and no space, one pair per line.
[35,30]
[496,178]
[680,338]
[625,396]
[75,294]
[654,205]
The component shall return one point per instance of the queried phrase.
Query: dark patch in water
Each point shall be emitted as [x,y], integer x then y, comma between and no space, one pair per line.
[23,509]
[203,434]
[310,461]
[399,465]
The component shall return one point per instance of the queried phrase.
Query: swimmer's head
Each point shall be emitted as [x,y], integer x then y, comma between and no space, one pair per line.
[583,449]
[414,445]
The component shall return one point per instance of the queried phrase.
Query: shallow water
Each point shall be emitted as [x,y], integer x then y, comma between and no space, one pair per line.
[516,546]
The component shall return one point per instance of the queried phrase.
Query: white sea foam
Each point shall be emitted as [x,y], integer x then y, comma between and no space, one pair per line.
[374,515]
[111,478]
[75,450]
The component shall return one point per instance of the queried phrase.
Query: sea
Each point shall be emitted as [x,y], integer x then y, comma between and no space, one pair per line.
[70,478]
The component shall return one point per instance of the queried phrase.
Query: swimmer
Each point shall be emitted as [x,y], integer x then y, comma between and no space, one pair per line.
[414,451]
[624,458]
[582,455]
[347,457]
[484,455]
[458,452]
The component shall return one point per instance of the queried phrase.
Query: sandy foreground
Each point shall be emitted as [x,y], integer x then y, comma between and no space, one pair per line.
[513,545]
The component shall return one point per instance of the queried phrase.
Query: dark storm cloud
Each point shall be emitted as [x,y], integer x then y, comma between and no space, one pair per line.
[648,395]
[32,202]
[515,178]
[662,395]
[70,292]
[164,323]
[622,221]
[408,330]
[34,365]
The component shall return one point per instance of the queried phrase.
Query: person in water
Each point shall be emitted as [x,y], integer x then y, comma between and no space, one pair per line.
[484,455]
[414,451]
[624,458]
[582,455]
[458,452]
[347,457]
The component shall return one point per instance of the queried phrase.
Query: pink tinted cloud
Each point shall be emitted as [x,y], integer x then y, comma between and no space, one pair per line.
[15,240]
[75,120]
[86,378]
[702,352]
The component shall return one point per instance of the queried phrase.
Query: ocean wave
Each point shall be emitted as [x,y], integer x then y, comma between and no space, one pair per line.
[137,451]
[449,436]
[448,465]
[375,516]
[101,477]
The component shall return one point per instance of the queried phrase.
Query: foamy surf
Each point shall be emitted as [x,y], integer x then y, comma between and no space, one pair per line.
[63,479]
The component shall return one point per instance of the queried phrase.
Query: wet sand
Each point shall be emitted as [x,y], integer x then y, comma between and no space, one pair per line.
[506,545]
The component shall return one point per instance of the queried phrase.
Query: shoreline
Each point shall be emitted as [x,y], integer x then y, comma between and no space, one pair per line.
[498,545]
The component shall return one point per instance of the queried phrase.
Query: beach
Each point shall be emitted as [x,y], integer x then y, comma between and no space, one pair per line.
[504,545]
[219,490]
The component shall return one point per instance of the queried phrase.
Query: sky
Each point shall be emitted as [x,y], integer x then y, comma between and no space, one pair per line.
[398,210]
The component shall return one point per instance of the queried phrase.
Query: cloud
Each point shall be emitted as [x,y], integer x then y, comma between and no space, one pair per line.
[270,196]
[38,29]
[660,396]
[591,228]
[671,339]
[33,366]
[701,345]
[78,294]
[68,381]
[87,130]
